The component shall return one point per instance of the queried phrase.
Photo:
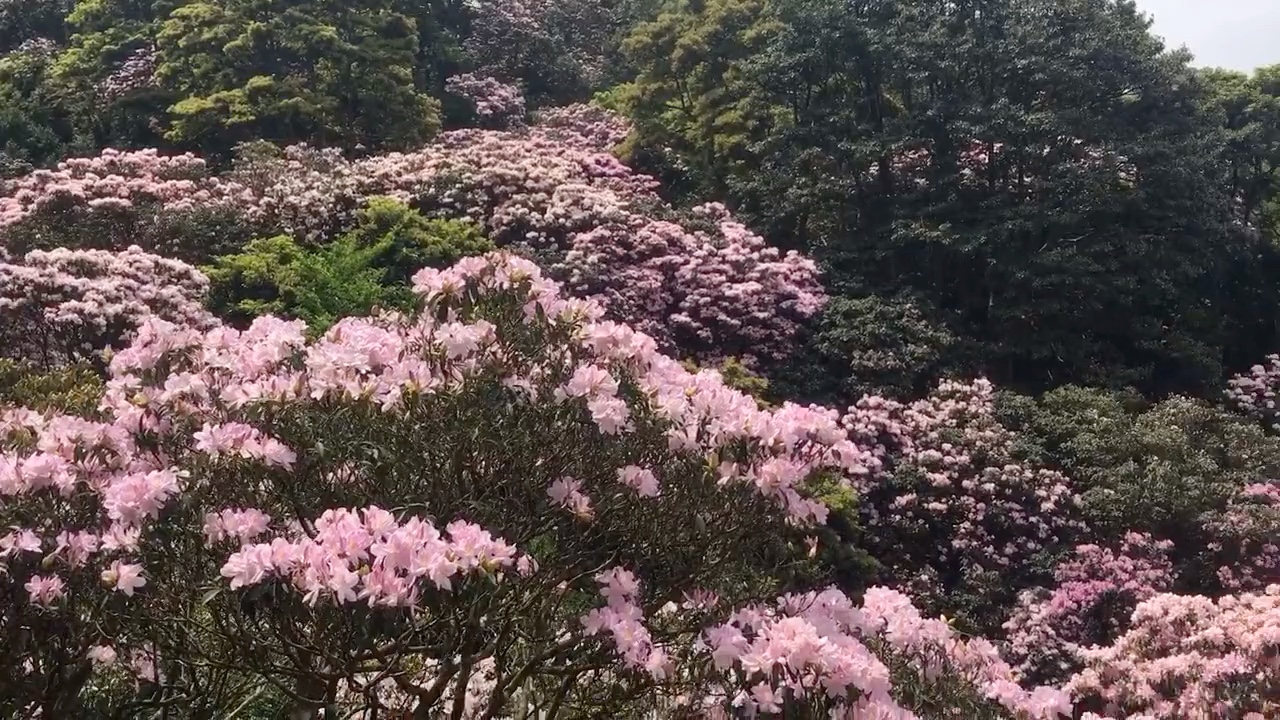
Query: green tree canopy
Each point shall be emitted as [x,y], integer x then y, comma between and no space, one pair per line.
[331,73]
[1041,173]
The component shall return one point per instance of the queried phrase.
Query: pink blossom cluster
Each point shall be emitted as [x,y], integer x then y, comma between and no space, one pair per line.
[1243,539]
[1095,591]
[117,181]
[494,100]
[1254,392]
[245,441]
[1189,657]
[623,619]
[702,283]
[61,303]
[820,645]
[715,295]
[583,125]
[135,73]
[369,555]
[954,501]
[70,462]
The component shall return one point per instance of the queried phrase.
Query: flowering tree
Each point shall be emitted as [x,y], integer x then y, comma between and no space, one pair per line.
[1095,592]
[501,486]
[496,104]
[1189,657]
[955,515]
[65,305]
[698,282]
[1254,392]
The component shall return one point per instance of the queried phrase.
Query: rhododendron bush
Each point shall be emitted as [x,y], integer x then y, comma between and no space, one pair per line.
[700,282]
[64,305]
[1095,592]
[170,204]
[1190,657]
[954,513]
[499,499]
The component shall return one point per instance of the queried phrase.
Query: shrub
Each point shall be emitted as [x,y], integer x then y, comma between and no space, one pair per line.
[956,514]
[367,268]
[1094,593]
[73,389]
[1189,657]
[67,305]
[488,484]
[1175,470]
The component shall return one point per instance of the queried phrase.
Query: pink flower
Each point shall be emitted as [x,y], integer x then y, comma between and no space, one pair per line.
[45,590]
[124,577]
[642,480]
[102,655]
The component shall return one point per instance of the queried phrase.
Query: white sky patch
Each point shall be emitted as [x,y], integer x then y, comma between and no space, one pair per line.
[1236,34]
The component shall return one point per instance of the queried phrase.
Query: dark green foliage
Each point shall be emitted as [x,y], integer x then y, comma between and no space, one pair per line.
[369,267]
[276,276]
[1041,173]
[32,129]
[1170,469]
[334,74]
[867,346]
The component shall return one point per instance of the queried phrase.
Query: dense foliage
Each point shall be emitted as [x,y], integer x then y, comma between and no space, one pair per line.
[637,359]
[1037,179]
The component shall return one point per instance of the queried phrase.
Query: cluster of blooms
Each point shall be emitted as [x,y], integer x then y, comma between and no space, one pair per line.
[588,126]
[135,73]
[117,181]
[955,502]
[704,284]
[494,100]
[1254,393]
[1189,657]
[1095,591]
[68,457]
[65,303]
[245,441]
[821,644]
[400,558]
[1244,539]
[624,620]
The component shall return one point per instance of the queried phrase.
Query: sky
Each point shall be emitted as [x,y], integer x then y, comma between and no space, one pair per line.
[1236,34]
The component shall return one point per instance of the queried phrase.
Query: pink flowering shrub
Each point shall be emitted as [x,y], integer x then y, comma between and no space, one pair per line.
[166,204]
[585,125]
[806,649]
[1187,657]
[502,481]
[496,104]
[956,517]
[698,282]
[1244,539]
[1254,392]
[1094,593]
[66,305]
